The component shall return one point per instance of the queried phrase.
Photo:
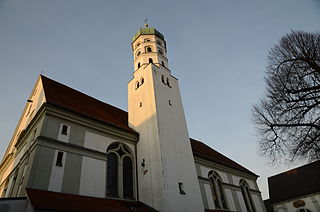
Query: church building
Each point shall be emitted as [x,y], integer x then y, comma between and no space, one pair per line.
[72,152]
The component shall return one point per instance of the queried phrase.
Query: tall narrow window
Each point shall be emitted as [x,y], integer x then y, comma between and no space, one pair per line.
[217,190]
[148,49]
[247,196]
[127,178]
[119,157]
[150,60]
[162,63]
[139,65]
[221,192]
[162,79]
[59,159]
[112,175]
[215,193]
[168,83]
[64,130]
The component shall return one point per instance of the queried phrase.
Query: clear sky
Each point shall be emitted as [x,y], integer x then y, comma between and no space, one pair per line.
[216,48]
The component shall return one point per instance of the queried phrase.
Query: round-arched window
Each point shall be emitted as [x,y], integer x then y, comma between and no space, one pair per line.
[148,49]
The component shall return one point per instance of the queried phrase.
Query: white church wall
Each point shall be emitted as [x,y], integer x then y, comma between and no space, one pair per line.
[209,196]
[100,143]
[93,177]
[236,179]
[230,200]
[241,201]
[37,98]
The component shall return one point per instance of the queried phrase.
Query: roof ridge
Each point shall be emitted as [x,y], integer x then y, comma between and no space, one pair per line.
[238,166]
[73,89]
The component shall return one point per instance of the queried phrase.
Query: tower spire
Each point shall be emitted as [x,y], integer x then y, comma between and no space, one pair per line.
[146,22]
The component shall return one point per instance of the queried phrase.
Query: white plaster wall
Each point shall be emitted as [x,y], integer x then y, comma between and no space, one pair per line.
[241,201]
[56,177]
[204,171]
[100,143]
[230,201]
[209,196]
[164,143]
[93,177]
[38,98]
[97,142]
[236,180]
[7,172]
[18,157]
[9,187]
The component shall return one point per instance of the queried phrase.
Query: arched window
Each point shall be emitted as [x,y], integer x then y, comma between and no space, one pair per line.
[160,51]
[150,60]
[158,42]
[217,190]
[148,49]
[139,65]
[141,81]
[119,166]
[147,40]
[138,53]
[162,63]
[138,44]
[247,196]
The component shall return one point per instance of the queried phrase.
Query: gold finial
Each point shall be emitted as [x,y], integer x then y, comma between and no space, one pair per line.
[146,22]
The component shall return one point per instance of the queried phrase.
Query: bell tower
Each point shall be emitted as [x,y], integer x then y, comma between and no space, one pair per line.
[167,178]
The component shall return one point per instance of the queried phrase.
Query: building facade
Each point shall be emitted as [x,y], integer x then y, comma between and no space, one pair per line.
[296,190]
[70,150]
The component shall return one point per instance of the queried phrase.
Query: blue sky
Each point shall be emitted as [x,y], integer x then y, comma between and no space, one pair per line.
[217,49]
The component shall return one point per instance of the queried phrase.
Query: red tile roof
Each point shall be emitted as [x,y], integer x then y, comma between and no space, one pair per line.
[295,183]
[70,99]
[53,201]
[203,151]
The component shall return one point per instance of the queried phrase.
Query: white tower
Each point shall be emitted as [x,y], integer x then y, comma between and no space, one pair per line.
[167,178]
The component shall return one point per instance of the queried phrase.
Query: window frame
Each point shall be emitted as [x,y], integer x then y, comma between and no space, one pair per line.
[122,151]
[245,191]
[219,197]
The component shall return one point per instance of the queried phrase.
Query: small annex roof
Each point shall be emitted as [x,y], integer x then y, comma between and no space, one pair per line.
[147,31]
[204,151]
[294,183]
[54,201]
[72,100]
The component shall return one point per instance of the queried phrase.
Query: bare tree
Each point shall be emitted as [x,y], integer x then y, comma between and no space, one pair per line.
[288,117]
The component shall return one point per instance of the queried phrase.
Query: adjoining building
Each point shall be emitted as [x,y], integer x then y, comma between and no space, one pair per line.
[72,152]
[296,190]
